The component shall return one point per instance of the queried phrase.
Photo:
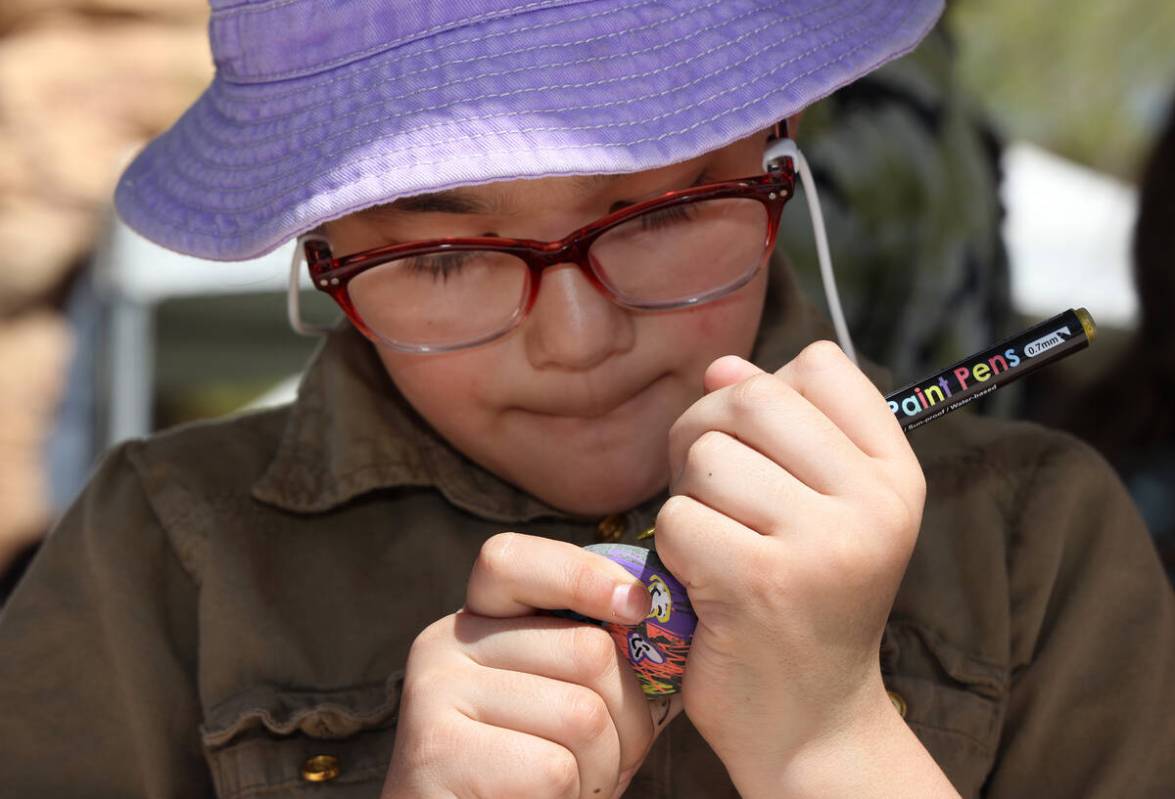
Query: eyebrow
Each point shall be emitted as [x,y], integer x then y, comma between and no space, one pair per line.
[459,201]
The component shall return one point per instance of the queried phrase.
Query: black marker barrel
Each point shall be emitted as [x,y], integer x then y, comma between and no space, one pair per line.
[984,372]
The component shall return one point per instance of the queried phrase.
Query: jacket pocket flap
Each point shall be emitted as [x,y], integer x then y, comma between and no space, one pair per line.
[269,740]
[319,714]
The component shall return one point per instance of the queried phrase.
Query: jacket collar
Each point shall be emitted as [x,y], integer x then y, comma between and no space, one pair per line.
[350,432]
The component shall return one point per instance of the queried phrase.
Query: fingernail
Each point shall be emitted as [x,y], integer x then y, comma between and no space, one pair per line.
[630,602]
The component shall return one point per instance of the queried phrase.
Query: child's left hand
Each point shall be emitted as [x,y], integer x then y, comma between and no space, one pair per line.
[796,504]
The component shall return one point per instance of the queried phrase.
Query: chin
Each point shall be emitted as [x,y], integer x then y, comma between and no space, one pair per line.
[601,493]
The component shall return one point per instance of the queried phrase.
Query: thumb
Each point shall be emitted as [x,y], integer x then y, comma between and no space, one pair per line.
[726,371]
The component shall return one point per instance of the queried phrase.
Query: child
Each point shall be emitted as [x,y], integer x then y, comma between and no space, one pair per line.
[344,594]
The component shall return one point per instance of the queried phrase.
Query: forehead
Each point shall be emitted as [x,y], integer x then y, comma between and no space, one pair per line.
[508,197]
[526,197]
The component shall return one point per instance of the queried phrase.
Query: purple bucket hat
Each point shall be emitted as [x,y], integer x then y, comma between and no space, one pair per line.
[319,109]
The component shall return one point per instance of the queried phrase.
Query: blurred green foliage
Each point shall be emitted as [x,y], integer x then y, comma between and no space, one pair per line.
[1088,79]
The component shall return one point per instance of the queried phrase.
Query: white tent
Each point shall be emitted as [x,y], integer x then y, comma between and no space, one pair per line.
[1068,231]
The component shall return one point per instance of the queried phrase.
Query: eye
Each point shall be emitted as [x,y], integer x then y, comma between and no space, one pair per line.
[666,217]
[439,266]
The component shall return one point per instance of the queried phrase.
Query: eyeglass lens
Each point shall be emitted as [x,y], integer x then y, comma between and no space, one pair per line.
[668,257]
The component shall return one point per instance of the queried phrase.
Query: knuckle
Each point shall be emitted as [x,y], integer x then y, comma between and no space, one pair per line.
[821,355]
[429,638]
[675,520]
[674,511]
[906,489]
[904,472]
[705,450]
[585,715]
[430,670]
[421,681]
[891,512]
[496,554]
[754,392]
[557,775]
[595,653]
[779,494]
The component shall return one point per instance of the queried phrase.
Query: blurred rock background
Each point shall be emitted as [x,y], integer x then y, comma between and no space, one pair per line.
[83,84]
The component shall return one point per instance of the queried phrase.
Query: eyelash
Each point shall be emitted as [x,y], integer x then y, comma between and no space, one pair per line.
[439,265]
[665,217]
[675,213]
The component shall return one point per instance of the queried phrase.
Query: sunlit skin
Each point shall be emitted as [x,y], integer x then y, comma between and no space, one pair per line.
[575,405]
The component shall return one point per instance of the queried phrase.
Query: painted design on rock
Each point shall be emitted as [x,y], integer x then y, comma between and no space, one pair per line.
[657,647]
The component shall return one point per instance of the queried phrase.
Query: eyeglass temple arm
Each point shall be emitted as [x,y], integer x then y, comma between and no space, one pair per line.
[777,150]
[293,294]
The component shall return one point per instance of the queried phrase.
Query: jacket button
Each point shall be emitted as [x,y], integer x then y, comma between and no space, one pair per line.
[320,768]
[898,702]
[610,529]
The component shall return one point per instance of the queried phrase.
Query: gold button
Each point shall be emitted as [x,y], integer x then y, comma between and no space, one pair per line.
[611,528]
[320,768]
[898,702]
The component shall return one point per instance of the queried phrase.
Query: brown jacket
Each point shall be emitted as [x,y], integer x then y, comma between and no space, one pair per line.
[228,600]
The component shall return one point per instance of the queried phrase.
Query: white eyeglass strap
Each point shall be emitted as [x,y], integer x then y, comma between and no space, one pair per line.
[787,148]
[293,296]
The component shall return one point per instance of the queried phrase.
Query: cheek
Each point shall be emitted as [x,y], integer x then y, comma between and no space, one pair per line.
[445,389]
[727,326]
[712,325]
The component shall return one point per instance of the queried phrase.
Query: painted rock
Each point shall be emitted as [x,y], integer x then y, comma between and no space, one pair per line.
[657,647]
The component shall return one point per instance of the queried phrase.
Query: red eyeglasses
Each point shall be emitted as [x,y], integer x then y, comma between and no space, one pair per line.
[681,249]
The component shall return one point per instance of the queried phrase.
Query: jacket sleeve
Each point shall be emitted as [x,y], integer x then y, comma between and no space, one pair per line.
[98,657]
[1091,709]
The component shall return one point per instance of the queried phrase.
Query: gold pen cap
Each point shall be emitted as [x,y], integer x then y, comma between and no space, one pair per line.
[1086,323]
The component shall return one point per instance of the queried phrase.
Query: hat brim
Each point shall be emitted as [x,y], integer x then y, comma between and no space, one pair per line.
[597,87]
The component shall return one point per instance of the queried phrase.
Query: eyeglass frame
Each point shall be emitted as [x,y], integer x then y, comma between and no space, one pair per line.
[332,275]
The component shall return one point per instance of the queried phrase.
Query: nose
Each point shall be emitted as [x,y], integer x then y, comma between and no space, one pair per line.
[573,326]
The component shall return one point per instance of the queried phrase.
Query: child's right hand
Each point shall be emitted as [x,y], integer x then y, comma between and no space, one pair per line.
[498,701]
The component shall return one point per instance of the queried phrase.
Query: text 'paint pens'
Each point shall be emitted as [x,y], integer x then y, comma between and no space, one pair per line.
[926,400]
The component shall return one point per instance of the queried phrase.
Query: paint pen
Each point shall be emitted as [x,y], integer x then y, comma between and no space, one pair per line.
[985,371]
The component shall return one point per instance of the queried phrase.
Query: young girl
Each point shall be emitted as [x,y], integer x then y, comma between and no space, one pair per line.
[550,226]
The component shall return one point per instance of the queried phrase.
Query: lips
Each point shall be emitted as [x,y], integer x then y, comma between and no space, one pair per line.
[578,403]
